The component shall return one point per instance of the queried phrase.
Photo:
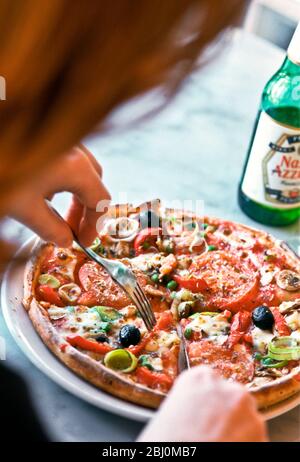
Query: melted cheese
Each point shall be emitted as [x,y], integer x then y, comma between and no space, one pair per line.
[296,334]
[216,327]
[167,339]
[261,339]
[66,267]
[88,320]
[147,261]
[293,320]
[156,363]
[76,319]
[268,273]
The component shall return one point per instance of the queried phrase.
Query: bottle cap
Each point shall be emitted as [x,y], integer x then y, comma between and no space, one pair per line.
[294,48]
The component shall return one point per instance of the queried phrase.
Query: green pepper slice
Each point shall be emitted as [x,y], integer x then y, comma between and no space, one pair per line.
[49,280]
[108,314]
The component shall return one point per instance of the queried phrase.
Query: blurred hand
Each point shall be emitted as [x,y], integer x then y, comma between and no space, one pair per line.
[204,407]
[77,172]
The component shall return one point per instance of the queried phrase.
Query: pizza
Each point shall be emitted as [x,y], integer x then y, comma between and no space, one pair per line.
[227,293]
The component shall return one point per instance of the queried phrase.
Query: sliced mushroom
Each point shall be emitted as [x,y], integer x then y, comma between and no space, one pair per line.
[268,372]
[286,307]
[288,280]
[56,313]
[69,292]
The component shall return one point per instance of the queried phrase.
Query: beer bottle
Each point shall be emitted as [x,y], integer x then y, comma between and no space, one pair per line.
[269,190]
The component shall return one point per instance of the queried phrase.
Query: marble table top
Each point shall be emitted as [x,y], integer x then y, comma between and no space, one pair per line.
[193,150]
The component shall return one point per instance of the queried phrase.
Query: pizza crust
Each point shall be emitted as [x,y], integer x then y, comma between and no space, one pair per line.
[278,390]
[116,384]
[32,270]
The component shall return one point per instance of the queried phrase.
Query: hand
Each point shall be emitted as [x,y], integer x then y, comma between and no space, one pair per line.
[204,407]
[77,172]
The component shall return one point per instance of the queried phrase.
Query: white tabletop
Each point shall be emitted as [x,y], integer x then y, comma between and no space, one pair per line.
[194,149]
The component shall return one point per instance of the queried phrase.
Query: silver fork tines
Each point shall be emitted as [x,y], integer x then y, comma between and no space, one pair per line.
[126,279]
[142,303]
[123,276]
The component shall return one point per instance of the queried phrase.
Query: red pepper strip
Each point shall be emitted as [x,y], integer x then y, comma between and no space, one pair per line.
[240,324]
[280,323]
[48,294]
[89,345]
[135,350]
[152,379]
[146,236]
[165,321]
[195,284]
[248,338]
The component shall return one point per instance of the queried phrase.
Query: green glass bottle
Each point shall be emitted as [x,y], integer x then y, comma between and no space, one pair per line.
[269,190]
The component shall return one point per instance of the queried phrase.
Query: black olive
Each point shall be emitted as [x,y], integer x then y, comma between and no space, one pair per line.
[102,338]
[263,318]
[129,335]
[149,219]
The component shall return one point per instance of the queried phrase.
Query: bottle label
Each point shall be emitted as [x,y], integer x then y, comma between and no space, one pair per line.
[272,175]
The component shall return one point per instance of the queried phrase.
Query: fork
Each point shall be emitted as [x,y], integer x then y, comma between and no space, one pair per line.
[123,276]
[183,358]
[126,279]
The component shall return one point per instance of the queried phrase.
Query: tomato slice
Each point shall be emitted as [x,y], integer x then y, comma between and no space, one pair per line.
[153,379]
[231,284]
[50,295]
[235,364]
[99,288]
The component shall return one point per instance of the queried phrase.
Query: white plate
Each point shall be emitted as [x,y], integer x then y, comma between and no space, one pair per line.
[29,341]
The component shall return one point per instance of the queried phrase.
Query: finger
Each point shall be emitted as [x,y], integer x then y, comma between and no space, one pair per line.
[88,225]
[76,209]
[74,214]
[78,176]
[88,190]
[83,217]
[44,222]
[92,159]
[83,221]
